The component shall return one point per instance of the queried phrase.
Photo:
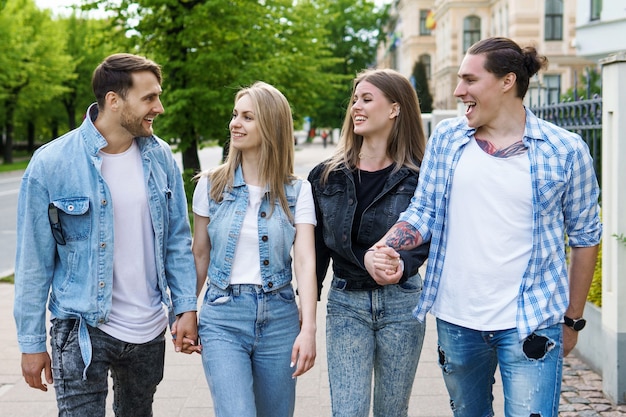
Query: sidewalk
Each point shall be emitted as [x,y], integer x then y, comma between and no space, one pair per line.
[184,390]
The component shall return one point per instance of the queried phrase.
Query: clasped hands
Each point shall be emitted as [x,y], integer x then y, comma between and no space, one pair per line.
[384,264]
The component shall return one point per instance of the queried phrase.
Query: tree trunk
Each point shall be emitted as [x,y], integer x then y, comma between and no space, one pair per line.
[7,154]
[30,137]
[191,161]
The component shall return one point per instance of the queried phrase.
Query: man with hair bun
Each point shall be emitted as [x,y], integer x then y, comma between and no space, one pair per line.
[499,193]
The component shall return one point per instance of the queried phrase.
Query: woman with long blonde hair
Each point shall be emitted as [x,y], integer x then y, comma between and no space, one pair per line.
[249,213]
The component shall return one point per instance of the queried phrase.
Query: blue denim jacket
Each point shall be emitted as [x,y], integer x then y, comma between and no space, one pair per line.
[335,206]
[76,278]
[276,234]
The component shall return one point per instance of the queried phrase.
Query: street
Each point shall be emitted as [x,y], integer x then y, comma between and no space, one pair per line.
[9,187]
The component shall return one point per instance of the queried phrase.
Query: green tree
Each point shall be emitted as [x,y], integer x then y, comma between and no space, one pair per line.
[354,34]
[208,49]
[34,68]
[421,87]
[589,84]
[89,41]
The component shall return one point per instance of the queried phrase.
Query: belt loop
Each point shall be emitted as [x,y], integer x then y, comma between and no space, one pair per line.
[235,290]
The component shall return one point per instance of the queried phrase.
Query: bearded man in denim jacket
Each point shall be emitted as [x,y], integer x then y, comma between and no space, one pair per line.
[103,239]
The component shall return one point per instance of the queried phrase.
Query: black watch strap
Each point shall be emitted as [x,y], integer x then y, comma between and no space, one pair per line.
[575,324]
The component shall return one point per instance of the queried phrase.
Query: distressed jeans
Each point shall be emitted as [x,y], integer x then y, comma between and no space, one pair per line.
[531,370]
[247,336]
[373,332]
[136,370]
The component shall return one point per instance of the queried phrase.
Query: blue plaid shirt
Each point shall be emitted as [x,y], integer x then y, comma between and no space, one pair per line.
[565,201]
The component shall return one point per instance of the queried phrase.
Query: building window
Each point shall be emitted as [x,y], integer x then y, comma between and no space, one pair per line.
[471,31]
[424,31]
[425,59]
[552,88]
[596,9]
[554,20]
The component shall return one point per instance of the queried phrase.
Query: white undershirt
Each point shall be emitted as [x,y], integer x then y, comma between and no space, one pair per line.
[246,267]
[489,240]
[137,315]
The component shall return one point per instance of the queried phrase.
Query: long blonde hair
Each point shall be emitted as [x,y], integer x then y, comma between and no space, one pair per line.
[275,123]
[407,140]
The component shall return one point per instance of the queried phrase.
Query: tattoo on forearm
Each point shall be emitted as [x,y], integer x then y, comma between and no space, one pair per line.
[403,236]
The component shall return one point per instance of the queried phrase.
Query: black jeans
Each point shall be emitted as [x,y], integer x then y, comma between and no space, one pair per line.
[136,370]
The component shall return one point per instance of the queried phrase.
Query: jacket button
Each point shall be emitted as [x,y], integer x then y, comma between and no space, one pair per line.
[103,202]
[350,201]
[263,214]
[264,238]
[266,262]
[270,284]
[103,245]
[101,284]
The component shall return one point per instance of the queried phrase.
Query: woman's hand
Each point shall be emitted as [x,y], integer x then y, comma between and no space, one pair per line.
[384,265]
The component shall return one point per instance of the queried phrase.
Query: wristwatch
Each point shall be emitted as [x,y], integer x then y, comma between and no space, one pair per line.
[575,324]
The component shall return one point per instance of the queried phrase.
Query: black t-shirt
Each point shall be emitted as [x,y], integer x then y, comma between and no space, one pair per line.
[368,185]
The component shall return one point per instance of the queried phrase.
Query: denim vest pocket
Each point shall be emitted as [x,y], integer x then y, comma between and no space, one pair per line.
[74,217]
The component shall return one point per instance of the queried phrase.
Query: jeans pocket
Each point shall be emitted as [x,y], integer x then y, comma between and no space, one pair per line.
[217,296]
[286,294]
[412,284]
[63,332]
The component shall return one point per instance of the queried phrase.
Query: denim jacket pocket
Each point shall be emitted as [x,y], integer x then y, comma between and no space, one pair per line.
[74,217]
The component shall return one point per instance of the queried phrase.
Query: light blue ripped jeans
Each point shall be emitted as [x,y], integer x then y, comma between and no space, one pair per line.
[531,370]
[373,332]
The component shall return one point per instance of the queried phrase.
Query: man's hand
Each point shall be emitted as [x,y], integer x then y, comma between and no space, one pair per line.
[570,338]
[384,265]
[185,333]
[32,366]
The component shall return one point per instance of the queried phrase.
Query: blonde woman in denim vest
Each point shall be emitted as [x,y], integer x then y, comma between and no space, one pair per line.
[249,213]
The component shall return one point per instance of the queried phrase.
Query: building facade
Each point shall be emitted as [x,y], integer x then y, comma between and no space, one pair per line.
[439,32]
[600,28]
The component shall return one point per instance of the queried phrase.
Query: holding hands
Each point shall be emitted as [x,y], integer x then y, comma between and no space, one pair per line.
[384,264]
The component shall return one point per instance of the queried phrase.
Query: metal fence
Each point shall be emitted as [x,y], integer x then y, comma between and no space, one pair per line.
[583,117]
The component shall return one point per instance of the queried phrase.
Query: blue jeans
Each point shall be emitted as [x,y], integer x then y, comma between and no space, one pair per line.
[531,370]
[372,331]
[247,336]
[136,370]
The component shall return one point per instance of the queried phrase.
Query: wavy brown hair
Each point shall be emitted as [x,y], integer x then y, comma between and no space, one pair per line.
[407,139]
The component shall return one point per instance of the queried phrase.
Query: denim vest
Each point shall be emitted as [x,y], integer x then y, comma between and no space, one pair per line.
[76,273]
[276,234]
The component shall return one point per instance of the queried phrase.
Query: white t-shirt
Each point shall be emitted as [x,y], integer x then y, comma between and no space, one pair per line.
[246,268]
[489,240]
[137,315]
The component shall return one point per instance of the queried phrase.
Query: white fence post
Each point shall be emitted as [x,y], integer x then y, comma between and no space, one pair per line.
[614,219]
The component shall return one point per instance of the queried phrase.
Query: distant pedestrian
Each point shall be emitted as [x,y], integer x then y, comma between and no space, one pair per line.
[324,136]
